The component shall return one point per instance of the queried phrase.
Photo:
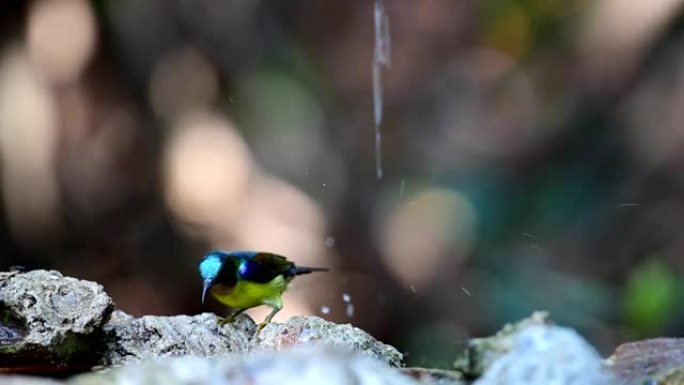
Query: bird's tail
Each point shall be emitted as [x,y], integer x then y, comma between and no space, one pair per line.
[299,270]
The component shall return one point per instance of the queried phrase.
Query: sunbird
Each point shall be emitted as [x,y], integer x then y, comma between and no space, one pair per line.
[247,279]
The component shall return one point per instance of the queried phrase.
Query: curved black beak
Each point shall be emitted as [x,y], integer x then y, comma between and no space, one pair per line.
[207,284]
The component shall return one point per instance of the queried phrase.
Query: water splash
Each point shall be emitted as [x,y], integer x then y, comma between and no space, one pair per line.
[381,58]
[349,308]
[536,247]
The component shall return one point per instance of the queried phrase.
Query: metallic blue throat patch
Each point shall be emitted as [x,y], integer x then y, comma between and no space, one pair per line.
[210,266]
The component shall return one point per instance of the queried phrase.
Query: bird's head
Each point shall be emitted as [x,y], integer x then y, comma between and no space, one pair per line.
[216,268]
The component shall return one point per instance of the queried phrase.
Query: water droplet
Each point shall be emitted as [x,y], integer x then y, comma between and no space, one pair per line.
[346,297]
[329,242]
[466,291]
[413,289]
[349,310]
[325,309]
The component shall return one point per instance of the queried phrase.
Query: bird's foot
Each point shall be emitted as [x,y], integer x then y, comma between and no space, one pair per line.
[261,326]
[225,320]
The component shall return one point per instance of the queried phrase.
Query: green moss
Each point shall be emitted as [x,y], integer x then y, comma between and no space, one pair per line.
[651,297]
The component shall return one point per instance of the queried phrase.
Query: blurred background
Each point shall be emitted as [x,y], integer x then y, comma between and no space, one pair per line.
[532,154]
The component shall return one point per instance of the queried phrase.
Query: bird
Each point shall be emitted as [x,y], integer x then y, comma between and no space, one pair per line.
[246,279]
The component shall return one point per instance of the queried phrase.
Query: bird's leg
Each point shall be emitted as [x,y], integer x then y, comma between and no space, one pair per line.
[230,319]
[268,318]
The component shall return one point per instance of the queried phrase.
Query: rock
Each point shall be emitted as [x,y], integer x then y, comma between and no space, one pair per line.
[480,353]
[48,318]
[533,352]
[547,354]
[314,330]
[312,365]
[137,339]
[655,361]
[52,323]
[434,376]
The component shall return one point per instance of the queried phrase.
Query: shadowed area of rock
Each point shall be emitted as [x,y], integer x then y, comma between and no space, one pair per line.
[25,380]
[435,376]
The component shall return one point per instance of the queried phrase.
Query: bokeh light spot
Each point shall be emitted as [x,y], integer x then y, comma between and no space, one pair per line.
[425,231]
[61,38]
[183,81]
[28,139]
[206,167]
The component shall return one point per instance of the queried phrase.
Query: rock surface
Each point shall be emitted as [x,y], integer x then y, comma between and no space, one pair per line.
[313,330]
[313,365]
[139,339]
[49,322]
[46,317]
[534,352]
[480,353]
[656,361]
[547,354]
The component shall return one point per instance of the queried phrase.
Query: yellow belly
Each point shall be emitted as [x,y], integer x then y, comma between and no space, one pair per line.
[248,294]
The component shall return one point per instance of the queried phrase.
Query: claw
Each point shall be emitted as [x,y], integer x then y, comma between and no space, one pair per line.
[225,320]
[260,327]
